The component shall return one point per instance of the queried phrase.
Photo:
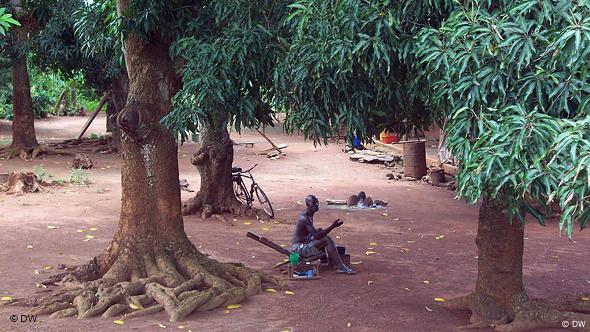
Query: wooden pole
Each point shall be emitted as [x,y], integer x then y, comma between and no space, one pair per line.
[269,141]
[100,105]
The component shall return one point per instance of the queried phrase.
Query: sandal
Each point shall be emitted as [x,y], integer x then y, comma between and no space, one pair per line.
[345,270]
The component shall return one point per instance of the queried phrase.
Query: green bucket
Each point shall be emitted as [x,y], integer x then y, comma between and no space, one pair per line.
[294,259]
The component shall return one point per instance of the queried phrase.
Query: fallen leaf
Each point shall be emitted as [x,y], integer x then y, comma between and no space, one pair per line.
[338,237]
[407,289]
[237,242]
[409,241]
[396,219]
[253,257]
[119,322]
[226,311]
[288,292]
[428,309]
[29,247]
[181,327]
[81,230]
[271,290]
[370,248]
[348,325]
[233,306]
[276,222]
[286,330]
[90,236]
[52,227]
[283,245]
[234,219]
[373,243]
[247,223]
[134,306]
[585,298]
[162,325]
[36,271]
[356,263]
[370,253]
[265,229]
[190,237]
[6,298]
[369,282]
[384,214]
[439,237]
[439,299]
[93,229]
[47,267]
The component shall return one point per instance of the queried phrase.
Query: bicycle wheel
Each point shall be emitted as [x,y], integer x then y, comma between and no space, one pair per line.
[240,191]
[264,201]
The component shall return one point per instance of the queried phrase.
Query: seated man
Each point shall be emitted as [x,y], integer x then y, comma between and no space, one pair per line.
[309,241]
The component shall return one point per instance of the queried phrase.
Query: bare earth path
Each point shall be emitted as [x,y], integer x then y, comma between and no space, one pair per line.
[388,294]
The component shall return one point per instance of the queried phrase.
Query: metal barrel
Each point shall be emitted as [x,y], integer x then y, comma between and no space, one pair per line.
[414,159]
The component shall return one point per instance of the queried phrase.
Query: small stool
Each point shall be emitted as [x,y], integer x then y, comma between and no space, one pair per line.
[249,144]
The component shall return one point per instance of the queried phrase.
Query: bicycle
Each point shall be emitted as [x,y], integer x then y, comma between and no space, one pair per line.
[247,197]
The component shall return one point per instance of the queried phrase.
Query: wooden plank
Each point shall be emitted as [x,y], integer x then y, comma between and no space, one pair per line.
[100,105]
[268,243]
[265,151]
[268,140]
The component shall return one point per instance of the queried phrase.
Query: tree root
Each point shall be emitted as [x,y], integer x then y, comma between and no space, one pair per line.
[526,314]
[179,282]
[196,205]
[101,144]
[30,153]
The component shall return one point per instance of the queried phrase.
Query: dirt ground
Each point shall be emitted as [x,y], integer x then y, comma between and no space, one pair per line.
[394,289]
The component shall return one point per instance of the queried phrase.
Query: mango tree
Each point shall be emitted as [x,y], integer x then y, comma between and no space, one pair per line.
[150,262]
[512,78]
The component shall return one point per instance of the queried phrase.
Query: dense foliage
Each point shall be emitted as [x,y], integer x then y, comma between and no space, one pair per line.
[513,78]
[349,64]
[229,55]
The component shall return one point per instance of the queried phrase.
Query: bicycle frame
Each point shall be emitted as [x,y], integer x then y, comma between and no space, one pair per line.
[247,174]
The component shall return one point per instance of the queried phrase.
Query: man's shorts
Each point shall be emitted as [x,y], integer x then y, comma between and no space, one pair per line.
[305,249]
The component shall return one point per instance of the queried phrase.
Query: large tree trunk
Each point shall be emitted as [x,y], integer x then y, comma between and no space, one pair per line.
[499,299]
[214,161]
[23,123]
[499,279]
[150,257]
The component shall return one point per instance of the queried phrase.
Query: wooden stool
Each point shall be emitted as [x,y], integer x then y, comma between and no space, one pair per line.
[249,144]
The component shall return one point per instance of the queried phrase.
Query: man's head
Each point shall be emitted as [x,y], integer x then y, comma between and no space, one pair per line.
[362,196]
[312,204]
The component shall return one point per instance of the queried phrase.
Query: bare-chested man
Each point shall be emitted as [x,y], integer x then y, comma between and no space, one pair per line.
[309,241]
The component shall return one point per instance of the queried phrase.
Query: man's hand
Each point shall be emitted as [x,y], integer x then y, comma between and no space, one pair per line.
[337,223]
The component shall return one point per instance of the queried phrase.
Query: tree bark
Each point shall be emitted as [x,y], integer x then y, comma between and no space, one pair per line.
[214,161]
[499,279]
[23,123]
[116,104]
